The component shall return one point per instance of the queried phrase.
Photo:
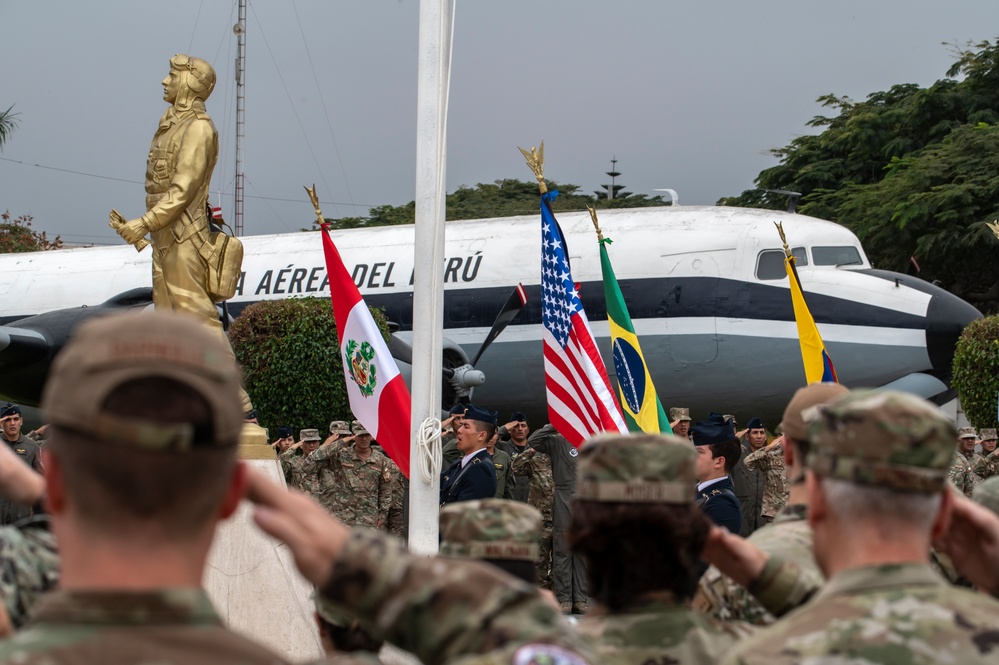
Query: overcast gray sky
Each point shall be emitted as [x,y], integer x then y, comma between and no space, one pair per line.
[688,95]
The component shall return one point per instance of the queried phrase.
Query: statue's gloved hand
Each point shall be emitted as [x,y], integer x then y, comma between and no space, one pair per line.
[133,231]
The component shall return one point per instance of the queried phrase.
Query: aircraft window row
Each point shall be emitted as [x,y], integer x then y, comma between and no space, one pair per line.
[836,256]
[770,264]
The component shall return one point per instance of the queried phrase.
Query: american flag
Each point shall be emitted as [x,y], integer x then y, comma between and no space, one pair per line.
[580,399]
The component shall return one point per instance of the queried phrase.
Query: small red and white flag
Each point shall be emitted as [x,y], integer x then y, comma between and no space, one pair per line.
[581,402]
[217,212]
[376,390]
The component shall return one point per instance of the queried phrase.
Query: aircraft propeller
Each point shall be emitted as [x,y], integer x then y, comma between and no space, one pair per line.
[461,374]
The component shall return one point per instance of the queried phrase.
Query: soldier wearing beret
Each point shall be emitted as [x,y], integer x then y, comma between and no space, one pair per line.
[513,441]
[26,449]
[285,439]
[961,472]
[635,523]
[877,496]
[768,459]
[788,536]
[506,483]
[718,452]
[473,476]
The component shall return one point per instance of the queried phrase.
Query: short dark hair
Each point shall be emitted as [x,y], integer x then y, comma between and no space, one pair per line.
[481,426]
[114,483]
[631,549]
[730,450]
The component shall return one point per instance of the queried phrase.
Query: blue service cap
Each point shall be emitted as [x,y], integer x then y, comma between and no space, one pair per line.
[473,412]
[458,409]
[518,417]
[284,432]
[9,409]
[713,430]
[756,423]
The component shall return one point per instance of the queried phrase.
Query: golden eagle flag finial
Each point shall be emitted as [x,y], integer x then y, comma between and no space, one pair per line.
[783,238]
[536,160]
[320,220]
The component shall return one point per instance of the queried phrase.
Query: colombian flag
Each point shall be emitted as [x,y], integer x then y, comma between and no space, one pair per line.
[642,410]
[818,366]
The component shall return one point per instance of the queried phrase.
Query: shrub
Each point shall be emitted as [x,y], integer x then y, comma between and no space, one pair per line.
[291,361]
[976,371]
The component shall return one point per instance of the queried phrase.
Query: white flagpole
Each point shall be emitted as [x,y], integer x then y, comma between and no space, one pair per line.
[434,77]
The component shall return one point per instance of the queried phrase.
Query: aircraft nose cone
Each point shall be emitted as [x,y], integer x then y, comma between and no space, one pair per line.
[946,316]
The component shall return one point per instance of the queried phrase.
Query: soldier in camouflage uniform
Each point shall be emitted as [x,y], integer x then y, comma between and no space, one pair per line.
[537,469]
[749,482]
[293,460]
[770,461]
[877,490]
[444,611]
[513,441]
[501,532]
[141,466]
[357,480]
[635,523]
[961,471]
[788,536]
[988,462]
[679,421]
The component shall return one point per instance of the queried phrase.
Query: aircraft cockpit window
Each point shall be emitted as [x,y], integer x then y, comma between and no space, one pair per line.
[770,264]
[837,256]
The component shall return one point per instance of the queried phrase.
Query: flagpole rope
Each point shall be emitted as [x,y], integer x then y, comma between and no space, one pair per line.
[428,440]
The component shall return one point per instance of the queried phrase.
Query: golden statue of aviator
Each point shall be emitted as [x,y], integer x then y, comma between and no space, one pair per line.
[187,256]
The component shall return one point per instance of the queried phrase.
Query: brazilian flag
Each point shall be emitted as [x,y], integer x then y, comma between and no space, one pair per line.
[642,410]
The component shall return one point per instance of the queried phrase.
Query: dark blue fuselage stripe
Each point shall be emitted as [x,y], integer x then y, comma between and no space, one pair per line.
[649,298]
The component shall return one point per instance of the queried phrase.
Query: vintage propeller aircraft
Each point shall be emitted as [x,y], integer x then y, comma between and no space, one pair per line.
[705,286]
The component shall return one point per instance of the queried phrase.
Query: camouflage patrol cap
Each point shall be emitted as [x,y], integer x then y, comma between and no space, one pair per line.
[490,529]
[679,413]
[339,427]
[107,352]
[882,438]
[309,435]
[641,468]
[792,424]
[987,434]
[966,433]
[987,494]
[357,428]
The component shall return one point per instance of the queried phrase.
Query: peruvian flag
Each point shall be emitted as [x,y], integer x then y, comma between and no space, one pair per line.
[378,395]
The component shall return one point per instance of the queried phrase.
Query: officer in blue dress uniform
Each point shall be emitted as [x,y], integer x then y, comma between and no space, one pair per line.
[473,476]
[718,452]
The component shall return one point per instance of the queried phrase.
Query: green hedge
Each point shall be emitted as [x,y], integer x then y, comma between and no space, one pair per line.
[292,368]
[976,371]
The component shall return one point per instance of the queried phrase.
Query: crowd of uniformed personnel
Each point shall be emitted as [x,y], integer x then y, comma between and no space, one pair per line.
[850,508]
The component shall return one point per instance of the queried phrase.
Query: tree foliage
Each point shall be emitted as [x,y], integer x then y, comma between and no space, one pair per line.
[911,170]
[292,368]
[8,122]
[976,371]
[16,235]
[503,198]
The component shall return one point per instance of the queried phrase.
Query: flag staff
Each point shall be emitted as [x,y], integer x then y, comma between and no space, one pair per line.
[434,74]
